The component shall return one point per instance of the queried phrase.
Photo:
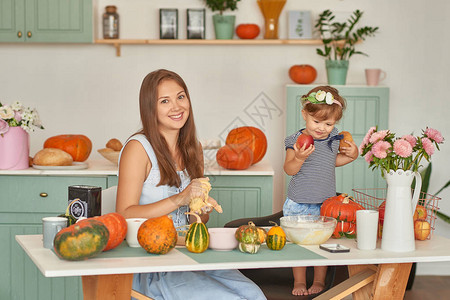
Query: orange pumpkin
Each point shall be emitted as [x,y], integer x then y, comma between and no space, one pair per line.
[234,157]
[77,145]
[303,74]
[117,227]
[247,31]
[249,136]
[157,235]
[343,209]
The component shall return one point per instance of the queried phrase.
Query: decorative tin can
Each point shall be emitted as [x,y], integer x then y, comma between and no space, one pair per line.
[85,201]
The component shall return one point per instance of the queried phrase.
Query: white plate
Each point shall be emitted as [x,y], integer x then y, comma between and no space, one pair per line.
[75,166]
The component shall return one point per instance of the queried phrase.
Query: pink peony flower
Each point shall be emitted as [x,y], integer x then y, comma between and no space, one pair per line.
[361,148]
[434,135]
[368,134]
[428,146]
[402,148]
[17,116]
[380,149]
[4,127]
[378,136]
[411,139]
[368,157]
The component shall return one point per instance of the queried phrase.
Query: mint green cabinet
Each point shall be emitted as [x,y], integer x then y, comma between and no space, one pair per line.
[24,201]
[46,21]
[366,107]
[240,196]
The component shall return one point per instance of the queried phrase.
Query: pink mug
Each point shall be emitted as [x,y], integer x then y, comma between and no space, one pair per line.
[373,76]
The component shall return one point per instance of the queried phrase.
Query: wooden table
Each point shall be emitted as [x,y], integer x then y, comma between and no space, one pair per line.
[375,274]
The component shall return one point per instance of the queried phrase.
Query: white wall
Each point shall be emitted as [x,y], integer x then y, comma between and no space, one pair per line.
[87,89]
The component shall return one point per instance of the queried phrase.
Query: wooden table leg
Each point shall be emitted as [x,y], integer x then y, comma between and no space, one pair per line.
[387,281]
[366,291]
[107,287]
[390,281]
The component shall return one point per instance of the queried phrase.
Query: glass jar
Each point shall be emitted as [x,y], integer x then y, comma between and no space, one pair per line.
[110,23]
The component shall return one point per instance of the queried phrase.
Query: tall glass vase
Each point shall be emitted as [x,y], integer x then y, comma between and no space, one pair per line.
[271,10]
[14,149]
[398,227]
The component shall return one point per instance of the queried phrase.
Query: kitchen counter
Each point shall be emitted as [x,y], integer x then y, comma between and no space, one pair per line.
[104,167]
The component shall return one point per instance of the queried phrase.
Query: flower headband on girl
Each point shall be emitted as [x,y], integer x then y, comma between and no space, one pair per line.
[321,97]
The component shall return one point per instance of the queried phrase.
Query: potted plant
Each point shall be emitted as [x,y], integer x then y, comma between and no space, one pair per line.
[223,24]
[339,41]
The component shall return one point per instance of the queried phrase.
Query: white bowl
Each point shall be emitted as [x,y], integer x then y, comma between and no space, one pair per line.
[222,238]
[109,154]
[308,230]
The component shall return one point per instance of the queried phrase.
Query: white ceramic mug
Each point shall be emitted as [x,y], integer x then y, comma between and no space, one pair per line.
[366,229]
[50,227]
[373,76]
[133,227]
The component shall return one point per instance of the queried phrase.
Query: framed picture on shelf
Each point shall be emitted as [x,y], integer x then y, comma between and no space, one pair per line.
[195,23]
[168,23]
[299,25]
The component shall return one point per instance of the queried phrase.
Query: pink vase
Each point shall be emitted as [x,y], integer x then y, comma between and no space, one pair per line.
[14,149]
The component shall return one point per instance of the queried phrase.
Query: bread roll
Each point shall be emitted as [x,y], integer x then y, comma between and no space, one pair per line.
[114,144]
[347,137]
[52,157]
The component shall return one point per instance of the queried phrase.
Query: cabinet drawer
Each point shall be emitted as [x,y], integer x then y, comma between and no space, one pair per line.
[40,194]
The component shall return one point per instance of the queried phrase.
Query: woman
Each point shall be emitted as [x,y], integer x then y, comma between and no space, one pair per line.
[159,172]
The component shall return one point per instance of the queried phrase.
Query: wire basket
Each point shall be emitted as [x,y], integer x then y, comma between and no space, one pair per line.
[372,199]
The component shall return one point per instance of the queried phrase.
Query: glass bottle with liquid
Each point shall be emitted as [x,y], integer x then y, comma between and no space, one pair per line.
[110,23]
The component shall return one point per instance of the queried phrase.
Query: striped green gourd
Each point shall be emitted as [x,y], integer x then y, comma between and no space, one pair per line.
[276,238]
[197,237]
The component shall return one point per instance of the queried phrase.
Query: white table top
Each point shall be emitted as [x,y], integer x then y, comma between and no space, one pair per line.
[104,167]
[434,250]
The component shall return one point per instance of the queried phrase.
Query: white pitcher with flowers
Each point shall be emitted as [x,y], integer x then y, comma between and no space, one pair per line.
[399,161]
[16,121]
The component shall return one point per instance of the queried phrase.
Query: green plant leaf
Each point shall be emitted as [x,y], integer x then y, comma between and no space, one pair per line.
[442,188]
[442,216]
[426,174]
[346,33]
[221,5]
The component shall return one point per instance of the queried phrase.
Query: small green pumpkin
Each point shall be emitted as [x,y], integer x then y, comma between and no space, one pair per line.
[249,238]
[81,240]
[276,238]
[197,237]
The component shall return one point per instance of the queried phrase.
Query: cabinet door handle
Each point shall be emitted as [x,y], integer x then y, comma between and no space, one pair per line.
[29,33]
[43,195]
[19,34]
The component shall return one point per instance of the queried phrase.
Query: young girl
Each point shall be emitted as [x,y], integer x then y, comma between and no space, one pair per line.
[313,168]
[159,172]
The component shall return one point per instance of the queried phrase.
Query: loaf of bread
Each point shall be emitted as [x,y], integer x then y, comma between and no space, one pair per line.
[347,137]
[114,144]
[52,157]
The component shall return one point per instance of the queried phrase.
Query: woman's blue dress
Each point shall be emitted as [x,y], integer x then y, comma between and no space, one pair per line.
[215,284]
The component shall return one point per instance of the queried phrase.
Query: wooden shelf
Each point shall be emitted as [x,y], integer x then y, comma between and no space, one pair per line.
[117,43]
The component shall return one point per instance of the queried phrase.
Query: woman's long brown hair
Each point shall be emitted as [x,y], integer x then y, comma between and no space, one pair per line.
[187,144]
